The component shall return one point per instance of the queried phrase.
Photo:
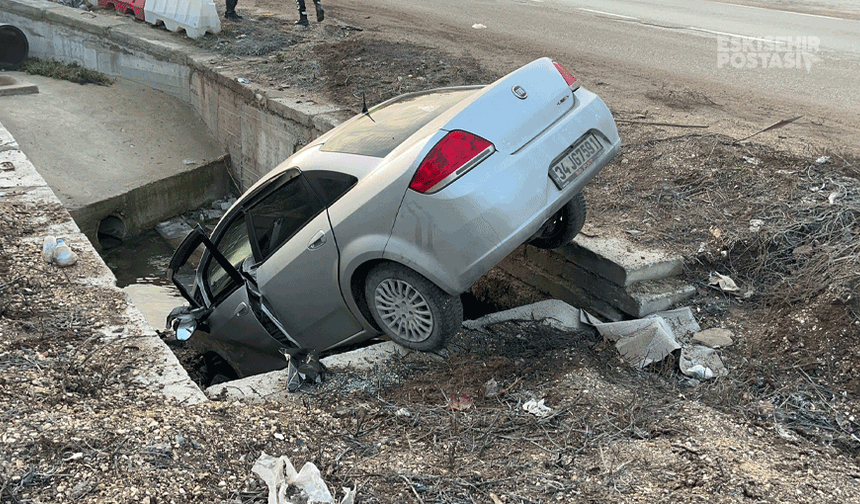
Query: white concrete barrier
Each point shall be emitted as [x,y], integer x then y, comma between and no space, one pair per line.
[196,17]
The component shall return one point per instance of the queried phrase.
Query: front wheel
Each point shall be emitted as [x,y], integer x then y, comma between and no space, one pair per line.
[562,227]
[410,309]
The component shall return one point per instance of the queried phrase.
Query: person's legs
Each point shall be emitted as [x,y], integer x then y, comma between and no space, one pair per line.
[303,14]
[230,13]
[320,11]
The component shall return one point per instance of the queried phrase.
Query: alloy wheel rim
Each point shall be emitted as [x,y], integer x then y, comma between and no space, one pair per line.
[404,310]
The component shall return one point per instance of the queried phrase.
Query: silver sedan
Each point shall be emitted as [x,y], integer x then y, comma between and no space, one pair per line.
[377,226]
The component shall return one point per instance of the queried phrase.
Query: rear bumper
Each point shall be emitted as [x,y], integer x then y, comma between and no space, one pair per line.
[455,236]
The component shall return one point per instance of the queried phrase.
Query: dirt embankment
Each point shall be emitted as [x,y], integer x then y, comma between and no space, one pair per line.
[781,428]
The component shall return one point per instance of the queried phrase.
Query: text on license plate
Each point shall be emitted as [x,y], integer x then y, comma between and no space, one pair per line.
[574,162]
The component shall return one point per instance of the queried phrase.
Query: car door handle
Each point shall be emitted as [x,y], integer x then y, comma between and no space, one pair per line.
[241,310]
[317,241]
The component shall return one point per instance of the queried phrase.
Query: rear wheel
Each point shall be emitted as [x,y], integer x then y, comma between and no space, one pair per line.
[562,227]
[410,309]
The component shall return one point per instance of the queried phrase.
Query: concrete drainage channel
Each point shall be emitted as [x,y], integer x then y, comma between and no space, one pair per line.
[257,131]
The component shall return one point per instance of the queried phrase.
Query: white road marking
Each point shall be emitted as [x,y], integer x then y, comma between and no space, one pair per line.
[606,13]
[728,34]
[792,12]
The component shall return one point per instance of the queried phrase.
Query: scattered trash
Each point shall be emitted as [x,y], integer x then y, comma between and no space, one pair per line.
[553,312]
[55,251]
[634,232]
[644,341]
[832,197]
[714,338]
[478,26]
[189,162]
[724,282]
[403,412]
[279,475]
[537,408]
[651,340]
[242,80]
[717,232]
[822,160]
[459,403]
[303,366]
[49,247]
[491,388]
[7,166]
[702,363]
[751,160]
[756,225]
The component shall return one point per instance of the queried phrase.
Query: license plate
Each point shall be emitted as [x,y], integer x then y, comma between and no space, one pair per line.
[575,161]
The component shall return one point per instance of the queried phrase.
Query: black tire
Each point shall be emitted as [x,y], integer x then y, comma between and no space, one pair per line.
[433,317]
[560,230]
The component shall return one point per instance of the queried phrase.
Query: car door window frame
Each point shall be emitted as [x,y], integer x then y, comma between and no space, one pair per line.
[313,198]
[244,213]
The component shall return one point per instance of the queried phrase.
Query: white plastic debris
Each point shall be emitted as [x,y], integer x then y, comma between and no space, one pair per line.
[702,363]
[756,225]
[63,255]
[751,160]
[49,247]
[478,26]
[55,251]
[553,312]
[822,160]
[242,80]
[537,408]
[832,197]
[724,282]
[279,474]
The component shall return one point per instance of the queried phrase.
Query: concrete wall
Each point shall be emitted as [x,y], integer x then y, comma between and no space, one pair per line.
[258,128]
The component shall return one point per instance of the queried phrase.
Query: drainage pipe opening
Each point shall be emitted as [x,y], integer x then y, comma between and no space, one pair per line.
[111,232]
[14,47]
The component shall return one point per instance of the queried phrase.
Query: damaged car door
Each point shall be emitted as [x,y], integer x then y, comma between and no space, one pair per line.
[265,281]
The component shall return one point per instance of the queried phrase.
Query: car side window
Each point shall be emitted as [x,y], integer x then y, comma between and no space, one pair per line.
[331,185]
[281,214]
[235,245]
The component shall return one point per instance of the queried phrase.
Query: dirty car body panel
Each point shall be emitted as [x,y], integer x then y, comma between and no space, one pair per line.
[296,248]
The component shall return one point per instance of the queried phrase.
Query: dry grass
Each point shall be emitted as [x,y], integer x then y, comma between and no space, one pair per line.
[71,72]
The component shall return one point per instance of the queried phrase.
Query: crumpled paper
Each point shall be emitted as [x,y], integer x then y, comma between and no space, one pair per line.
[537,408]
[279,475]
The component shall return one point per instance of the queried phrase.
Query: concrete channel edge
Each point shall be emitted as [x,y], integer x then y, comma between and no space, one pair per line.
[160,370]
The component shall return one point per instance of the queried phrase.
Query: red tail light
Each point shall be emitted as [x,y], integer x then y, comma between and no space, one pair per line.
[568,77]
[456,150]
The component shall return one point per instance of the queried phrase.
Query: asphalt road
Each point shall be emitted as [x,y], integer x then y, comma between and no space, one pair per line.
[694,41]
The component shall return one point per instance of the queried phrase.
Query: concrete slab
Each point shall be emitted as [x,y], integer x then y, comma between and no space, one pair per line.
[10,86]
[621,261]
[366,358]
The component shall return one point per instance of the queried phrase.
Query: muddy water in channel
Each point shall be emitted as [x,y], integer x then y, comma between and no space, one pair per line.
[140,265]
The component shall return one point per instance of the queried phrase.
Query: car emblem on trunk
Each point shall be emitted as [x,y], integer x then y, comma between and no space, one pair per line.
[519,92]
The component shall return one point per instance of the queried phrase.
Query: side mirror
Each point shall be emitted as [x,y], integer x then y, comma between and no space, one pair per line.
[184,320]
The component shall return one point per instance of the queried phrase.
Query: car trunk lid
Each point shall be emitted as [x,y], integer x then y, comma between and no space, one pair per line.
[516,108]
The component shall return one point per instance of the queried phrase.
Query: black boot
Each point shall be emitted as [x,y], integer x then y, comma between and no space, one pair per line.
[320,12]
[231,11]
[303,14]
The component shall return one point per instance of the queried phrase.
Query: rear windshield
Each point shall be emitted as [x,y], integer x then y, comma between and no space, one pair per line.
[394,122]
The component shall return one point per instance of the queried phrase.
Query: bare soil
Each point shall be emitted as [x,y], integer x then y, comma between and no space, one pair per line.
[781,428]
